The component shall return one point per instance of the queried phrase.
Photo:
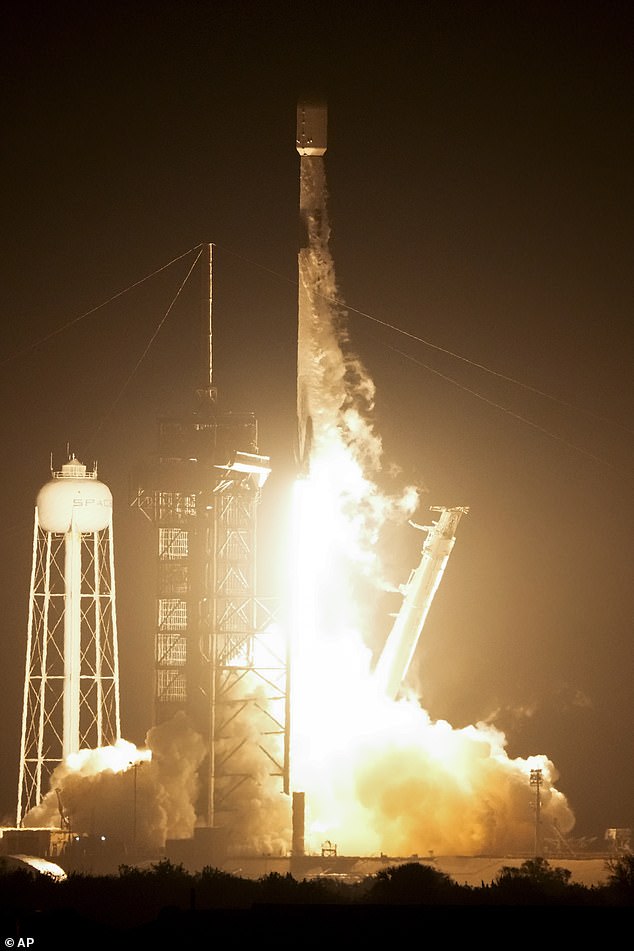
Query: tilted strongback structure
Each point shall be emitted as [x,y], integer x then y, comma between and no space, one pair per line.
[418,594]
[71,683]
[215,657]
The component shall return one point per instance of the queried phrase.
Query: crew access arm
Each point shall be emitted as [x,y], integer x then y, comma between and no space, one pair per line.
[396,657]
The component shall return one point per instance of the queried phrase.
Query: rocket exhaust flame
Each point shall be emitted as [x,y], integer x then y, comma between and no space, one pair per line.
[378,774]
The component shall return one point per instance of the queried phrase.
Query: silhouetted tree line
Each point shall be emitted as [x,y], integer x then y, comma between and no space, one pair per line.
[166,901]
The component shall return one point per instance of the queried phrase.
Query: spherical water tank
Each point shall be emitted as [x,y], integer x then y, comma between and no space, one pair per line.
[74,497]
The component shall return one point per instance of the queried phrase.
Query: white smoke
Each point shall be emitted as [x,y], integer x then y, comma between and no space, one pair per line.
[147,795]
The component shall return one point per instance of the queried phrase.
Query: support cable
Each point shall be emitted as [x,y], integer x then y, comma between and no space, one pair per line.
[510,412]
[436,347]
[93,310]
[153,337]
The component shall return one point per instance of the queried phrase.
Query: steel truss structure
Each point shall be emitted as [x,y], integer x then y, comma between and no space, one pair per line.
[249,691]
[218,654]
[71,686]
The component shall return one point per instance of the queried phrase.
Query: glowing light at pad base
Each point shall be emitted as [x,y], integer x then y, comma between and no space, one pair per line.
[117,758]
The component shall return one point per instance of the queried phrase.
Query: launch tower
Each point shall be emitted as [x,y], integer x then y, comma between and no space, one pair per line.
[71,684]
[214,656]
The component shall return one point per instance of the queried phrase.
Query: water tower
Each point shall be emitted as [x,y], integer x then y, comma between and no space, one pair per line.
[71,683]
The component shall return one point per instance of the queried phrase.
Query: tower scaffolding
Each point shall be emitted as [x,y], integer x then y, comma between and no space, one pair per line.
[218,656]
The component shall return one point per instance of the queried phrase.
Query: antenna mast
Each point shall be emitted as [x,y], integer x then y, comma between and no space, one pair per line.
[207,392]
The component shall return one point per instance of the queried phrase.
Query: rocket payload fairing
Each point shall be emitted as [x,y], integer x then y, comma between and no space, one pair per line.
[311,144]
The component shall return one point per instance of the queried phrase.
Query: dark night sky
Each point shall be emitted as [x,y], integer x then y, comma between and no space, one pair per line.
[480,175]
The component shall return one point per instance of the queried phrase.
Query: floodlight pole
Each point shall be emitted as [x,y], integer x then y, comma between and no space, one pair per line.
[536,780]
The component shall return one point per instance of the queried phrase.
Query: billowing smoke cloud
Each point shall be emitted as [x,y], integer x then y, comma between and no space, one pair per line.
[144,796]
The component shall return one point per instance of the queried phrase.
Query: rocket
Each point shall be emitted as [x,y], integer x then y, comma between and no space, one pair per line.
[311,143]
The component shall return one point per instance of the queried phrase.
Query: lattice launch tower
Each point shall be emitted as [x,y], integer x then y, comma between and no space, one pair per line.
[213,659]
